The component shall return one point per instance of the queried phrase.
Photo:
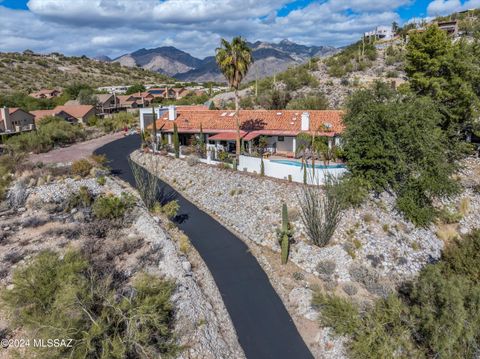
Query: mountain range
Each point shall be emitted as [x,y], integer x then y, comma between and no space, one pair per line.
[269,58]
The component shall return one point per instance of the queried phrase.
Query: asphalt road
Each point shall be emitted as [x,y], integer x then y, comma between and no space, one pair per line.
[263,325]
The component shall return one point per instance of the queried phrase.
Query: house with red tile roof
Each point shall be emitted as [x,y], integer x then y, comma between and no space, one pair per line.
[82,113]
[46,94]
[41,114]
[16,120]
[279,128]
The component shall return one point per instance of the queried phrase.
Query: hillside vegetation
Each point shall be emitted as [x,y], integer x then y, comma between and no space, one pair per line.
[29,72]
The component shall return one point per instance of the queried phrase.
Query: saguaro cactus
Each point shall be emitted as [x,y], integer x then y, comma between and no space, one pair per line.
[262,168]
[285,235]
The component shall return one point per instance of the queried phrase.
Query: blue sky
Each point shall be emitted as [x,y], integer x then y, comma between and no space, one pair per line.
[114,27]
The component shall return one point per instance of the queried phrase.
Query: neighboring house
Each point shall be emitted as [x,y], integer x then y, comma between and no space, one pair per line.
[279,129]
[114,89]
[380,33]
[16,120]
[107,103]
[41,114]
[46,94]
[126,102]
[172,93]
[135,100]
[450,27]
[143,99]
[82,113]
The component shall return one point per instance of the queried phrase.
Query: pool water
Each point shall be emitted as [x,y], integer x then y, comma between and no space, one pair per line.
[299,164]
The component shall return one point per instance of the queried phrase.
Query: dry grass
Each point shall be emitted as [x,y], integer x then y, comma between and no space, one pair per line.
[447,232]
[464,206]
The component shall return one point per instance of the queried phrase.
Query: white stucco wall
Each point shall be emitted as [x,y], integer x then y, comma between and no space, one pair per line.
[282,171]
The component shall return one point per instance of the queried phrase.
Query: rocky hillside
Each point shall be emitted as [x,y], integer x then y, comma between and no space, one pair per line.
[27,72]
[269,58]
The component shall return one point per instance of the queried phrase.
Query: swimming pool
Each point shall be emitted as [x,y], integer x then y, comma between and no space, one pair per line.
[299,164]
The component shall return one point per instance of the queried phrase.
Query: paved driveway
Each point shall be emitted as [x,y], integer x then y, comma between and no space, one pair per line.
[75,152]
[264,327]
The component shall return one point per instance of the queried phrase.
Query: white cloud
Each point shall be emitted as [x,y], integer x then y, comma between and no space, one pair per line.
[445,7]
[113,27]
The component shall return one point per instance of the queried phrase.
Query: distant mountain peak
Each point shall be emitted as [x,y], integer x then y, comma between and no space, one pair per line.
[269,58]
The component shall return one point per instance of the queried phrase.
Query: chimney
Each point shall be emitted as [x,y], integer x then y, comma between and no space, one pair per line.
[172,113]
[5,115]
[305,121]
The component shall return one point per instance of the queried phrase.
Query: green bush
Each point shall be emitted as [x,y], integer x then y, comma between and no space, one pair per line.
[112,207]
[311,102]
[81,168]
[83,198]
[171,209]
[67,297]
[350,59]
[50,133]
[297,77]
[436,316]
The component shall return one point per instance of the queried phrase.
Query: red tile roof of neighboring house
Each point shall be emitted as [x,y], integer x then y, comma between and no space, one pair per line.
[78,111]
[226,136]
[40,114]
[273,122]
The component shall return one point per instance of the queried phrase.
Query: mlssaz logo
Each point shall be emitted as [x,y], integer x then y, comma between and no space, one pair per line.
[52,343]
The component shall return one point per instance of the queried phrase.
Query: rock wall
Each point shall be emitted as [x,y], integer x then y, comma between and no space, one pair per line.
[374,235]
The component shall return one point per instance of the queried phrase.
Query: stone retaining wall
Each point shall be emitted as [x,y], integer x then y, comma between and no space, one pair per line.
[374,236]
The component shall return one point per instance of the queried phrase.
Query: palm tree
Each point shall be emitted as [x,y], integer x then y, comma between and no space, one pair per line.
[234,58]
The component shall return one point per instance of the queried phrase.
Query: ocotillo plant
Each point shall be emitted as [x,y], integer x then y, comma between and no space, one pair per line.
[305,174]
[176,142]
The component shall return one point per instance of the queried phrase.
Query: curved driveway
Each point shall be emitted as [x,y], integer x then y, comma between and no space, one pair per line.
[263,325]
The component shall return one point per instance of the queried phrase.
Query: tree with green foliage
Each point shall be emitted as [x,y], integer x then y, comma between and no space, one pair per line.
[394,143]
[176,141]
[87,97]
[135,89]
[234,59]
[448,73]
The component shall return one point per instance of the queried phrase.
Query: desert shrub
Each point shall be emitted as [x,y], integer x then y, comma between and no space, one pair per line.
[112,207]
[79,302]
[352,191]
[101,180]
[192,160]
[297,77]
[81,168]
[347,315]
[436,316]
[100,160]
[311,102]
[146,182]
[326,269]
[55,132]
[448,217]
[170,209]
[82,198]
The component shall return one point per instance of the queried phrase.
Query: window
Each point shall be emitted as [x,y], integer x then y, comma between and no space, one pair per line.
[281,138]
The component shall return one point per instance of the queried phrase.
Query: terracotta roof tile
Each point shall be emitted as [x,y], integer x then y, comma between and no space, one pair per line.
[267,121]
[78,111]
